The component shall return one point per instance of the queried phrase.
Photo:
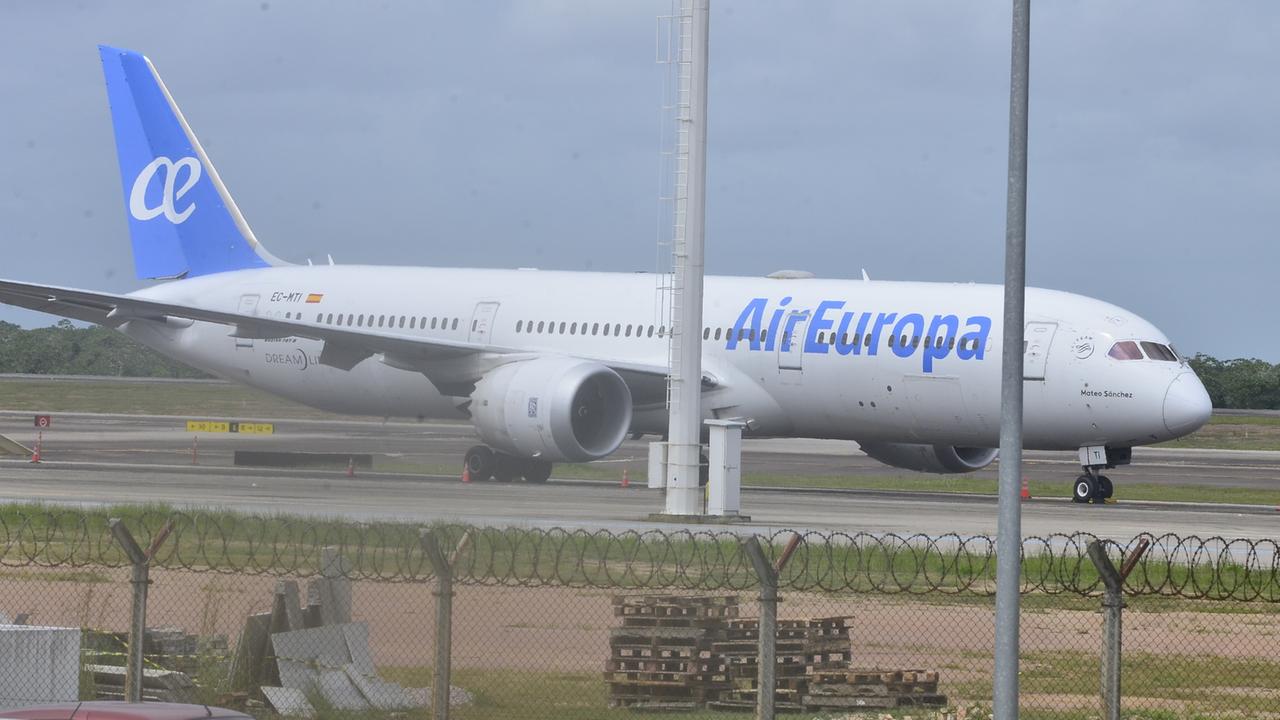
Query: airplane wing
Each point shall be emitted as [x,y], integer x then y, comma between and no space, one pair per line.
[453,366]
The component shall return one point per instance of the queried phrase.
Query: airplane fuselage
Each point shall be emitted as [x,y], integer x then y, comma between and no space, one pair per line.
[863,360]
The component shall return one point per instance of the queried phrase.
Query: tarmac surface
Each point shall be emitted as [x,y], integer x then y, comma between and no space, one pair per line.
[92,459]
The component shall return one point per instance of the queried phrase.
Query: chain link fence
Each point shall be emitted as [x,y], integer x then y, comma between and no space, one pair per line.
[343,620]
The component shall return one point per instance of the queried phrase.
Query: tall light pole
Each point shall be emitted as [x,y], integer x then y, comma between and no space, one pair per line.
[684,451]
[1009,529]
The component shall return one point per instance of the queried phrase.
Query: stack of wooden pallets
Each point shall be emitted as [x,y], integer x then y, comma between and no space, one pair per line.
[676,652]
[843,689]
[741,653]
[662,658]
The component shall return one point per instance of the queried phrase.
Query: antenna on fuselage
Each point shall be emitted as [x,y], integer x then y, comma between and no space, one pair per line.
[865,276]
[330,258]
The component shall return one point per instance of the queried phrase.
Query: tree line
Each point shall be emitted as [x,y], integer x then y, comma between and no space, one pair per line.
[64,349]
[1245,384]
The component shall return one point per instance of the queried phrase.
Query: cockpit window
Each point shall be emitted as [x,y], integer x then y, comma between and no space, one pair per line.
[1156,351]
[1125,350]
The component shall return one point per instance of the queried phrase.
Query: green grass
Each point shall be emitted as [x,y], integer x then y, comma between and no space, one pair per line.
[226,541]
[1233,432]
[1171,684]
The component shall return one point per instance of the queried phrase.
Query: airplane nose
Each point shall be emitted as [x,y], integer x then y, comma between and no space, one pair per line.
[1186,405]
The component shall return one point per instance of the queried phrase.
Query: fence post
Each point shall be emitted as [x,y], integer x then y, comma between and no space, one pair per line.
[443,568]
[141,580]
[767,574]
[1112,609]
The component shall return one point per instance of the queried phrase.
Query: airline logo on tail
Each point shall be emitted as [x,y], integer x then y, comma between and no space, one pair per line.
[171,193]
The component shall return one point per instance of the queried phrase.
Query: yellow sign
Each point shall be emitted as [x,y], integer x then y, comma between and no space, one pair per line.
[244,428]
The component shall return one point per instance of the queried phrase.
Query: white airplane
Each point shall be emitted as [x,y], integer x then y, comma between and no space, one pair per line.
[561,366]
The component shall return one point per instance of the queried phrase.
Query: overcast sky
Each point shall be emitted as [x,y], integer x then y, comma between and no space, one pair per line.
[843,135]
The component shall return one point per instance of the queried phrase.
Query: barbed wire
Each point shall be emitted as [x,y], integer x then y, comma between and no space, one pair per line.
[1213,568]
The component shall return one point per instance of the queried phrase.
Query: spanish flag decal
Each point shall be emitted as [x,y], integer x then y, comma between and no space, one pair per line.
[315,297]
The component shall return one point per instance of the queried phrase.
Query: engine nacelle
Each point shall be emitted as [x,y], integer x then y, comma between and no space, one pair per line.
[552,408]
[931,458]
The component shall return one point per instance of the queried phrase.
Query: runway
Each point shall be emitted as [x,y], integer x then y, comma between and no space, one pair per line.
[106,459]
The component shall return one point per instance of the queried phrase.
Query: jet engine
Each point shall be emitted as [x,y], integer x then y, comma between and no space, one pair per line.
[931,458]
[553,408]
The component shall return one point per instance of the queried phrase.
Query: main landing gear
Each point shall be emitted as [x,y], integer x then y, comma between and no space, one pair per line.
[1092,486]
[485,464]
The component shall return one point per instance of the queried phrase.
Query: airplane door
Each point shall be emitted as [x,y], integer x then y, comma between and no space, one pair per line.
[791,344]
[248,306]
[482,322]
[1037,339]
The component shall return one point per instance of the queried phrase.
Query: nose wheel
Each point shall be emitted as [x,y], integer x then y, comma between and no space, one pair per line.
[1091,488]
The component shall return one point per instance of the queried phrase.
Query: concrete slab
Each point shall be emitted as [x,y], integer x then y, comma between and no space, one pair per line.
[39,664]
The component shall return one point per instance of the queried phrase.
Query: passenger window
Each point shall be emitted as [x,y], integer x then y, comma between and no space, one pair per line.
[628,331]
[562,327]
[455,323]
[360,321]
[595,328]
[413,323]
[764,334]
[915,341]
[330,320]
[1125,350]
[1156,351]
[519,325]
[717,333]
[540,324]
[606,330]
[706,333]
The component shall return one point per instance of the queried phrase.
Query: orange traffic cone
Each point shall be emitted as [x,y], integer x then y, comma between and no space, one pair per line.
[1026,492]
[626,478]
[35,455]
[351,467]
[466,474]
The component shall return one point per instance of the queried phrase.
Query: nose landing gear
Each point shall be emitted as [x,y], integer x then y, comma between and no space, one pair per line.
[1092,486]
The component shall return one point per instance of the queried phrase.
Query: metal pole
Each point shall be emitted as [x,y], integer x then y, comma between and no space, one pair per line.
[1009,529]
[443,568]
[1112,614]
[766,679]
[684,496]
[140,578]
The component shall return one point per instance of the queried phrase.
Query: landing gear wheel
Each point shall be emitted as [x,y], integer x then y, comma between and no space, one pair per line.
[480,463]
[1085,489]
[1105,488]
[505,468]
[536,471]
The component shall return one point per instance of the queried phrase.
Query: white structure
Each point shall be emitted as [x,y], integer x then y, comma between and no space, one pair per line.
[724,484]
[684,450]
[39,665]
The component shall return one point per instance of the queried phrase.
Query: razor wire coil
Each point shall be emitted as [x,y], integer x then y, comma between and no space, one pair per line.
[1192,567]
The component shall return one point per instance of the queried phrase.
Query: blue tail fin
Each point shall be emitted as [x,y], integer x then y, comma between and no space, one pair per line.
[182,220]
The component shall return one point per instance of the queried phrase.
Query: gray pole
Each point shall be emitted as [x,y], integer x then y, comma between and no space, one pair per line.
[1009,530]
[767,666]
[684,496]
[443,568]
[1112,606]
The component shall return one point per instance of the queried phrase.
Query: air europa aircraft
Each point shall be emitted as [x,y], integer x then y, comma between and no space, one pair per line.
[561,366]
